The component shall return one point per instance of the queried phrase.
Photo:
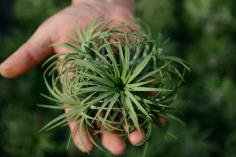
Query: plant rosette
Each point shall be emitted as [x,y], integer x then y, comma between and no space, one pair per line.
[112,80]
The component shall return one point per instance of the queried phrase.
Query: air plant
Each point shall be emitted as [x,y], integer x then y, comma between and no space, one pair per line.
[113,78]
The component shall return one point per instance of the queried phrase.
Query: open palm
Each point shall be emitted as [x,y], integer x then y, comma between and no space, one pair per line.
[57,29]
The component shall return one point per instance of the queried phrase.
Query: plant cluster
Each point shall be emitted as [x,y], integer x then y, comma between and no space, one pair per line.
[113,80]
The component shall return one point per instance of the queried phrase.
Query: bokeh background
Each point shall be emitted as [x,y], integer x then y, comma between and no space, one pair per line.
[203,32]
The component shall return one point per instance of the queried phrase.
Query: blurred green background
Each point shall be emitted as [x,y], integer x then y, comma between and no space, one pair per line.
[203,32]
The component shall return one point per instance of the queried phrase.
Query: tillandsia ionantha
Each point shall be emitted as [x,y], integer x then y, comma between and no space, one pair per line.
[113,78]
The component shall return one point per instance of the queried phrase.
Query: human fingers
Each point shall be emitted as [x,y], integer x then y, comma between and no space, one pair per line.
[136,137]
[80,135]
[113,142]
[30,54]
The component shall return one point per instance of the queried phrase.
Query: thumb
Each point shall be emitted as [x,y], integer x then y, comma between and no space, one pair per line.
[30,54]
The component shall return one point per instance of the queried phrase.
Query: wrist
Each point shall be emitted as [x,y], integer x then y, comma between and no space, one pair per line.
[129,4]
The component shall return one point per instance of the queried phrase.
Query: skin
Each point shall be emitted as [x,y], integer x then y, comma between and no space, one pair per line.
[56,29]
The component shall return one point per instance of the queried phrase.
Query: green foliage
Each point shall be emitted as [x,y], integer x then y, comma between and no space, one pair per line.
[110,74]
[202,32]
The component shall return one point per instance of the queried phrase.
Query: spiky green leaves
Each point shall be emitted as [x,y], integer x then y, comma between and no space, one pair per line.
[114,79]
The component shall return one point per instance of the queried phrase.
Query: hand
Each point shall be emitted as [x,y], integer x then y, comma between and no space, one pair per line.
[56,30]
